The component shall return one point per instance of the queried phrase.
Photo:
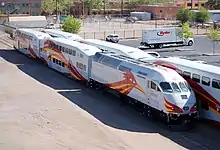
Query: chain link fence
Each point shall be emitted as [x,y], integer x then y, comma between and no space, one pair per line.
[129,34]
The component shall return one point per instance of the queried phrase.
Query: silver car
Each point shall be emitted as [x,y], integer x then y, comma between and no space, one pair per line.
[112,38]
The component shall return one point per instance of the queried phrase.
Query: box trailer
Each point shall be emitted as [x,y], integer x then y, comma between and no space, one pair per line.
[164,36]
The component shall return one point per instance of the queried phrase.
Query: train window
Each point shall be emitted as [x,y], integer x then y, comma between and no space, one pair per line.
[183,87]
[196,78]
[59,62]
[216,83]
[56,47]
[175,87]
[66,50]
[62,49]
[56,61]
[53,60]
[123,68]
[84,67]
[153,85]
[186,75]
[62,64]
[81,55]
[179,71]
[73,52]
[77,64]
[165,86]
[70,51]
[206,81]
[81,66]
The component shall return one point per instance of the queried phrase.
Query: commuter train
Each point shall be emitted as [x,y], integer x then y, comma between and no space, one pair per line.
[204,80]
[152,89]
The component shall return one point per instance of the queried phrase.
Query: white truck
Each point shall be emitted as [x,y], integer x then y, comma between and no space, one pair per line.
[159,37]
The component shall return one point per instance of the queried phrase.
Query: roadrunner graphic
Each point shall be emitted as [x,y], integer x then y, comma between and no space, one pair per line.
[125,86]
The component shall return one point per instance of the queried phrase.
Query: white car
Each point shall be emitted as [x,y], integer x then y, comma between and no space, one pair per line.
[112,38]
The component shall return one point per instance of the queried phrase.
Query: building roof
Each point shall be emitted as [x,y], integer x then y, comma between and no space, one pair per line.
[28,21]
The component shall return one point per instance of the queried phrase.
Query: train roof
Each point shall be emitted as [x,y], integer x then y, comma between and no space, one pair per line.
[38,34]
[87,49]
[155,72]
[67,35]
[126,50]
[193,64]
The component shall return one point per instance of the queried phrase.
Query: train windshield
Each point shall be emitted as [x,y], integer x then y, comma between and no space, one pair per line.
[175,87]
[183,87]
[165,86]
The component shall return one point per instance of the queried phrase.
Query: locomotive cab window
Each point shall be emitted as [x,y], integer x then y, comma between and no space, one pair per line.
[153,86]
[196,78]
[206,81]
[186,75]
[165,86]
[216,83]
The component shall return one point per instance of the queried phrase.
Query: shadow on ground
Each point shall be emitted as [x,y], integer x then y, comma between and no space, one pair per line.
[107,108]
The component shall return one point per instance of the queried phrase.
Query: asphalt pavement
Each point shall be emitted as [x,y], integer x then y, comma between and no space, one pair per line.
[202,49]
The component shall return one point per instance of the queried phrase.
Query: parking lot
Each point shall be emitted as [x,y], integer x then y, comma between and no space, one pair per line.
[40,108]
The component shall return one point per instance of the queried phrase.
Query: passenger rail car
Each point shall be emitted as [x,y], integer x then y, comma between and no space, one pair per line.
[156,90]
[30,42]
[120,49]
[204,80]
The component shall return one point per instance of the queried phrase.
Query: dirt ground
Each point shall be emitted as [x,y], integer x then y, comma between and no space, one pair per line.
[42,109]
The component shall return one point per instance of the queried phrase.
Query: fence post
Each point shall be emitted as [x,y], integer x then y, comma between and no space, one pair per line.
[124,34]
[104,35]
[114,31]
[197,30]
[133,33]
[84,34]
[94,35]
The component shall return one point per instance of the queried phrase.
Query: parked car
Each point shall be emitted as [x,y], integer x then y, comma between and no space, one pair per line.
[112,38]
[51,26]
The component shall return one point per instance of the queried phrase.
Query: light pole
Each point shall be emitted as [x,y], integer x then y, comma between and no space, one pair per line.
[122,3]
[57,10]
[3,5]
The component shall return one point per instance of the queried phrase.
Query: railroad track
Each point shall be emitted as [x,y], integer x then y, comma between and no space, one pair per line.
[6,42]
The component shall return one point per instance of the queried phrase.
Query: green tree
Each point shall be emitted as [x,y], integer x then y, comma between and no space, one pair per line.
[214,35]
[49,6]
[71,25]
[186,31]
[93,4]
[202,15]
[184,15]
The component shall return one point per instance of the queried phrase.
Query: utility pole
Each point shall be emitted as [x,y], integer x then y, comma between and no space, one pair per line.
[104,7]
[57,10]
[191,4]
[122,5]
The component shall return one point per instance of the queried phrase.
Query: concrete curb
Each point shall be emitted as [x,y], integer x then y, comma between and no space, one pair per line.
[210,54]
[182,49]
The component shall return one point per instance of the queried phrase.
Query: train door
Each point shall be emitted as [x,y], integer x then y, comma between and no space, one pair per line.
[153,92]
[147,90]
